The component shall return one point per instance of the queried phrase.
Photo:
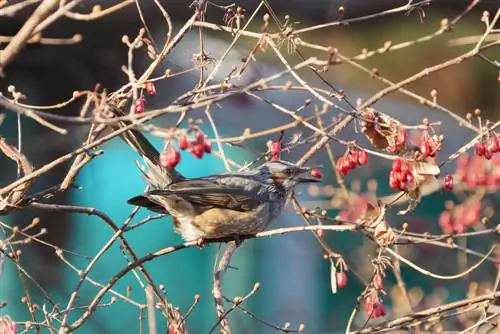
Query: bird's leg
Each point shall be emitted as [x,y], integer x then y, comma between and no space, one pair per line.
[200,243]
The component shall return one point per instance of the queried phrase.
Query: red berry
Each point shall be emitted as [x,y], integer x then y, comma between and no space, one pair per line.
[492,145]
[378,310]
[397,164]
[197,150]
[207,146]
[480,148]
[316,173]
[399,176]
[341,279]
[405,169]
[352,159]
[346,165]
[170,157]
[339,164]
[362,158]
[276,149]
[487,154]
[377,282]
[402,186]
[150,88]
[393,180]
[448,182]
[172,330]
[343,170]
[183,143]
[139,105]
[200,138]
[355,157]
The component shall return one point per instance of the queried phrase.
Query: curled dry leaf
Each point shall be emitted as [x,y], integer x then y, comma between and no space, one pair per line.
[374,218]
[384,132]
[424,173]
[333,276]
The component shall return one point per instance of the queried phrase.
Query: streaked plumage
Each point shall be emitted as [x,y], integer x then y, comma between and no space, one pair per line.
[222,205]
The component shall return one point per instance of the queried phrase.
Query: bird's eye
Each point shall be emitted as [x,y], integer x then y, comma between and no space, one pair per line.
[288,172]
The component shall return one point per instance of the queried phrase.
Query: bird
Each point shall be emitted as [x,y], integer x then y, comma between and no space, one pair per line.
[225,205]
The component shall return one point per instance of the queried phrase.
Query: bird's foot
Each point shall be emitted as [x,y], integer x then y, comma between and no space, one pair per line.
[200,243]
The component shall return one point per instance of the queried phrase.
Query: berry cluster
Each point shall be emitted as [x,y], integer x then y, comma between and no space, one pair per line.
[461,217]
[429,146]
[475,171]
[487,147]
[400,175]
[351,160]
[374,307]
[171,157]
[199,146]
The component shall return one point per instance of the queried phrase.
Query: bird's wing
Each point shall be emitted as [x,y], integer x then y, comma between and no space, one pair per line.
[210,192]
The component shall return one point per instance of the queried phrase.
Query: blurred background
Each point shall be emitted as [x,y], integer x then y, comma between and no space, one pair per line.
[294,277]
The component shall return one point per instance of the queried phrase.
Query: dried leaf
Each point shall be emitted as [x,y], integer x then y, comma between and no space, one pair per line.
[333,277]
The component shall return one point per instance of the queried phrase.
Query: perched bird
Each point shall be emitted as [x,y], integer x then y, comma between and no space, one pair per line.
[224,205]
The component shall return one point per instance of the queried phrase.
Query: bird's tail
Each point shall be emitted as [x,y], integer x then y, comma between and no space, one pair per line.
[156,176]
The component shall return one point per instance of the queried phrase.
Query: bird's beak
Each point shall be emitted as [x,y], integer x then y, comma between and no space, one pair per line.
[308,179]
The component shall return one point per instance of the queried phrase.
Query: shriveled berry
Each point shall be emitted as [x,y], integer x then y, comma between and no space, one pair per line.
[139,105]
[362,158]
[183,143]
[448,182]
[341,279]
[316,173]
[150,88]
[170,157]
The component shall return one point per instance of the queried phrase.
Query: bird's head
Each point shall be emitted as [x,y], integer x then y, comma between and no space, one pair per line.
[285,174]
